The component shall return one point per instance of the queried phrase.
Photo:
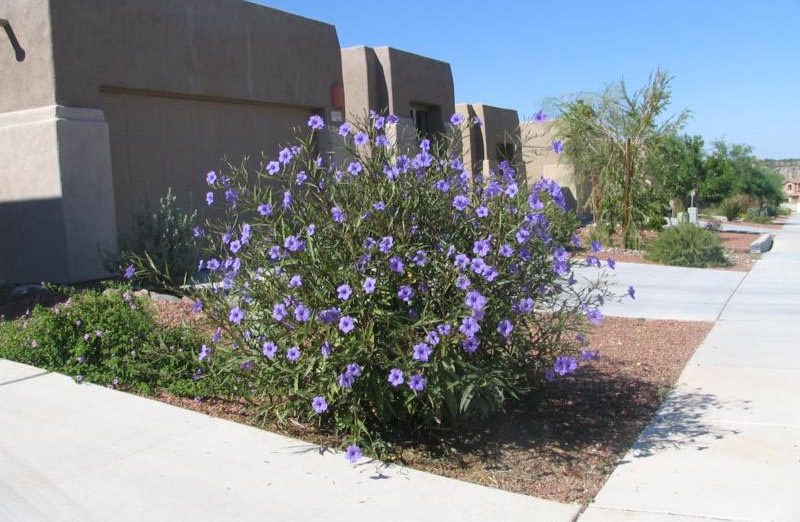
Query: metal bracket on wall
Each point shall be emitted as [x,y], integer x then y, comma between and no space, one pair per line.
[18,50]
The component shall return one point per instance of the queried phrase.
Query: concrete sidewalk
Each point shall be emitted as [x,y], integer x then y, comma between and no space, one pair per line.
[726,443]
[85,453]
[667,292]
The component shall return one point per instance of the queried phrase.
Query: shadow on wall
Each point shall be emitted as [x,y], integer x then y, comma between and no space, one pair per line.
[35,228]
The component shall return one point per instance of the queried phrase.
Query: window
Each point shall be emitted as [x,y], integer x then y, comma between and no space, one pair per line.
[421,117]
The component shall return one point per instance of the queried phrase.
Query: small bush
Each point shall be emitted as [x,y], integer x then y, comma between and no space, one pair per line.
[163,244]
[391,290]
[734,206]
[108,338]
[714,225]
[688,245]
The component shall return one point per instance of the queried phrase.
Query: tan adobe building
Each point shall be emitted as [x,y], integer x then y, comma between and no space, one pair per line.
[541,160]
[104,103]
[417,89]
[493,139]
[791,189]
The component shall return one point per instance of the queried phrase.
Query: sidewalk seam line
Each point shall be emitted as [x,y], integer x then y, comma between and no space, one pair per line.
[24,378]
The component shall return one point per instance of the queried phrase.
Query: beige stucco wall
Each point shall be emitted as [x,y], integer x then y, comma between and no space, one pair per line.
[172,86]
[497,126]
[542,161]
[387,79]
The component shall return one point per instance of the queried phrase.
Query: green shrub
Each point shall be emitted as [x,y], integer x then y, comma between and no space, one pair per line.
[163,244]
[687,245]
[734,206]
[108,338]
[390,290]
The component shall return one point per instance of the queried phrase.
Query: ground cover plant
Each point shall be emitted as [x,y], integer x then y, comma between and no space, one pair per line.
[385,289]
[107,337]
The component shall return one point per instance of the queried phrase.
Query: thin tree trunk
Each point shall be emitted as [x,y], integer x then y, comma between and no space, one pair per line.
[626,195]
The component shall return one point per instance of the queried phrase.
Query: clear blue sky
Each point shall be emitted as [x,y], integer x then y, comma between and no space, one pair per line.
[736,63]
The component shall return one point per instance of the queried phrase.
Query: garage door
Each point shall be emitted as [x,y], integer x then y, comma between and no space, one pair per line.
[159,142]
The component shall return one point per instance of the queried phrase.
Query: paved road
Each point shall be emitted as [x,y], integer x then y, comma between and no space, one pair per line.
[726,443]
[84,453]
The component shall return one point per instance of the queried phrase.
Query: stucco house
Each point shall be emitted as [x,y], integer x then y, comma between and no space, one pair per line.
[493,136]
[104,103]
[417,89]
[791,189]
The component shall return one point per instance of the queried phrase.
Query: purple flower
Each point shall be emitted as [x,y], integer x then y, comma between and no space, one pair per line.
[274,252]
[442,185]
[422,352]
[353,454]
[477,265]
[346,380]
[392,119]
[301,177]
[273,167]
[444,329]
[360,138]
[285,156]
[205,353]
[540,117]
[316,122]
[462,261]
[209,198]
[471,344]
[506,250]
[197,231]
[396,265]
[522,236]
[197,306]
[296,281]
[231,195]
[301,313]
[345,129]
[217,335]
[590,355]
[597,246]
[354,369]
[456,119]
[292,244]
[325,350]
[405,293]
[337,215]
[632,292]
[417,382]
[130,272]
[344,291]
[463,282]
[319,404]
[279,311]
[565,365]
[346,324]
[592,261]
[329,315]
[432,338]
[287,199]
[236,315]
[558,147]
[482,247]
[511,190]
[354,168]
[293,353]
[235,246]
[611,263]
[504,327]
[269,349]
[482,211]
[386,244]
[211,178]
[369,285]
[396,377]
[460,203]
[382,141]
[469,327]
[475,300]
[594,316]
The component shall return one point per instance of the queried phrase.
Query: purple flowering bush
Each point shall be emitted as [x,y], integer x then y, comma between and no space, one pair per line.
[381,287]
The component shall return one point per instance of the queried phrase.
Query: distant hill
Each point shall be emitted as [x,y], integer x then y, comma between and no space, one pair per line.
[788,168]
